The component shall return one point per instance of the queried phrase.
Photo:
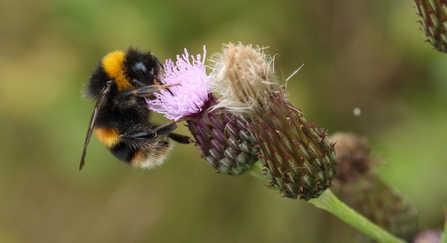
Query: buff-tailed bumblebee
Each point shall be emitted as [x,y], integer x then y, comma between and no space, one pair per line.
[120,120]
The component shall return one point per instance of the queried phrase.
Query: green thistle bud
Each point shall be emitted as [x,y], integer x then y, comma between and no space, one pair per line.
[358,186]
[433,15]
[297,157]
[353,153]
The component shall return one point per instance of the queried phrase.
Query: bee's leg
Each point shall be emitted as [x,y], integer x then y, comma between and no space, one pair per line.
[144,132]
[149,90]
[180,138]
[147,134]
[166,128]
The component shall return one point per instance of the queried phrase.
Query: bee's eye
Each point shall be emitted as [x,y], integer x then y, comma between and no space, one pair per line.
[139,67]
[142,72]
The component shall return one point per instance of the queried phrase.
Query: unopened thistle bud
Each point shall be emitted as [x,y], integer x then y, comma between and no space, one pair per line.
[353,155]
[361,188]
[433,19]
[297,157]
[223,139]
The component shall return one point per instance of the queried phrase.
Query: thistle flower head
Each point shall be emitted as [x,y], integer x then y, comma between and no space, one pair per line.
[296,156]
[245,78]
[428,236]
[222,138]
[191,96]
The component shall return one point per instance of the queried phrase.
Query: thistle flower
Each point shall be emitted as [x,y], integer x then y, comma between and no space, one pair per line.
[191,97]
[224,140]
[428,236]
[433,17]
[361,188]
[297,157]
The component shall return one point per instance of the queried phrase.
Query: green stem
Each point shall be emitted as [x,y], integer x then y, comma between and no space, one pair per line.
[329,202]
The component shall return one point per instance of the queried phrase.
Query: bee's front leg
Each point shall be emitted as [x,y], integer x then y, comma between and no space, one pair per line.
[147,90]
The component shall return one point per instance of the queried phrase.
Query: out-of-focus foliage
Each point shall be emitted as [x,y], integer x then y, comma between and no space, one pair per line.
[357,54]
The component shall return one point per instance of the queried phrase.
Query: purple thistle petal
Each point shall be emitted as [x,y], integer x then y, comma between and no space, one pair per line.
[191,96]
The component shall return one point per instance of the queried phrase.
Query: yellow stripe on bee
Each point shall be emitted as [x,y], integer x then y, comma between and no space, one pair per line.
[108,136]
[113,65]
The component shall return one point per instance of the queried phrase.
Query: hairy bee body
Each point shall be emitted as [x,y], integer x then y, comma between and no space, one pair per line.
[120,120]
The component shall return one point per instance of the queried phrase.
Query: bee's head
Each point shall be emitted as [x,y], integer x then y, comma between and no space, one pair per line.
[127,70]
[142,68]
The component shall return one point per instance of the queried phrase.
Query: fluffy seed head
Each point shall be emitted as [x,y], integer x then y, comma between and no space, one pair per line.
[244,77]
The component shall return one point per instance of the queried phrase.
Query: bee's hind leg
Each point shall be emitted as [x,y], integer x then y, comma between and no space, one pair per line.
[168,128]
[179,138]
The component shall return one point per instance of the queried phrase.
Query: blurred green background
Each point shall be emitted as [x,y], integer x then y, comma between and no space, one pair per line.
[357,54]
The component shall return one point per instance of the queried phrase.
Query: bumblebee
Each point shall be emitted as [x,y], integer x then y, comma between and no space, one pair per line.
[120,120]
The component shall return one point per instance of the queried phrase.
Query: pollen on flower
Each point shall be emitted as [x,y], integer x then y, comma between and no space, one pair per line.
[191,96]
[244,77]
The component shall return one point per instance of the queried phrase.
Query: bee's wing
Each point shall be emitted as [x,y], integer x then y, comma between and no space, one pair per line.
[98,106]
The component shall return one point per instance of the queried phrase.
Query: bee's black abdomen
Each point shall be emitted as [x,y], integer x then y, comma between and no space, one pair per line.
[143,153]
[123,152]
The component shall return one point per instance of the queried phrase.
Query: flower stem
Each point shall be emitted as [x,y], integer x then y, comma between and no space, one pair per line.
[329,202]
